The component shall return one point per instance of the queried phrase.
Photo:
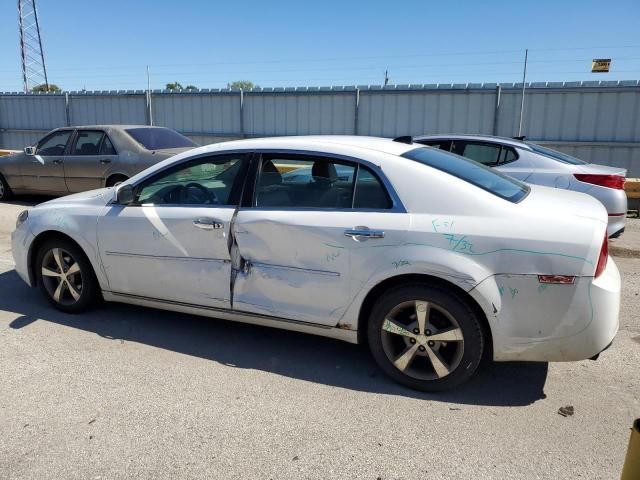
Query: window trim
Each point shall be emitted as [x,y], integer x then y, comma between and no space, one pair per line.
[187,162]
[396,203]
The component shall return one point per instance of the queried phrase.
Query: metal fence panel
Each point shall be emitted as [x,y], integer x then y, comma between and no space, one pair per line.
[597,121]
[105,109]
[299,113]
[210,114]
[32,112]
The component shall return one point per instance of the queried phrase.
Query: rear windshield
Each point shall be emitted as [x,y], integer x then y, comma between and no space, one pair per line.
[472,172]
[556,155]
[159,138]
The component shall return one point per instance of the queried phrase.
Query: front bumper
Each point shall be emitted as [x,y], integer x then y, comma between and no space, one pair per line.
[555,323]
[21,239]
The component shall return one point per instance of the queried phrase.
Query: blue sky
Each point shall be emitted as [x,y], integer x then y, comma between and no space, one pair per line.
[107,45]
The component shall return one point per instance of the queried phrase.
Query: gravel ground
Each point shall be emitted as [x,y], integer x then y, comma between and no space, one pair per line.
[128,392]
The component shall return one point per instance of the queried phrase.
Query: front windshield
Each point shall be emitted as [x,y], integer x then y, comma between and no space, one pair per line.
[473,172]
[556,155]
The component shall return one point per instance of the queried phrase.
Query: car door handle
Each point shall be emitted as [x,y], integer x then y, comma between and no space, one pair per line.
[104,161]
[363,233]
[57,161]
[208,223]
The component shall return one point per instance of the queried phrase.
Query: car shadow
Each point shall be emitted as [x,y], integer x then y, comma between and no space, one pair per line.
[296,355]
[27,200]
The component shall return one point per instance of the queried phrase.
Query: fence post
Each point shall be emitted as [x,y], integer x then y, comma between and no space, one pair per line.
[242,135]
[496,113]
[356,112]
[67,109]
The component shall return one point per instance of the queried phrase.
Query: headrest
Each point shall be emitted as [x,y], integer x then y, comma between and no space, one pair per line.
[270,175]
[324,170]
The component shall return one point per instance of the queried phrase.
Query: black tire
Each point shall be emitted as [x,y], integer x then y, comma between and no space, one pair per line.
[114,180]
[84,283]
[420,372]
[5,190]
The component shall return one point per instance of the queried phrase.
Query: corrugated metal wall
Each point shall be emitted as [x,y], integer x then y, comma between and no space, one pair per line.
[596,121]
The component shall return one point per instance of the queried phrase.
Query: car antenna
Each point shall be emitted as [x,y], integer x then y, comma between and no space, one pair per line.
[408,139]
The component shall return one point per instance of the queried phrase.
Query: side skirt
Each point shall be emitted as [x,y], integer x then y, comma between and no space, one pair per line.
[350,336]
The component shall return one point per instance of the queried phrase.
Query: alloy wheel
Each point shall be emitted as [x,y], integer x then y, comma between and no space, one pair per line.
[62,276]
[422,340]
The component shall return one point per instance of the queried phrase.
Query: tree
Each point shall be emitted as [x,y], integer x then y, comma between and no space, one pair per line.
[242,84]
[174,86]
[191,87]
[53,88]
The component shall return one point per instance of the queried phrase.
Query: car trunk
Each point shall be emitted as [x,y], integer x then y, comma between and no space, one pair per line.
[597,169]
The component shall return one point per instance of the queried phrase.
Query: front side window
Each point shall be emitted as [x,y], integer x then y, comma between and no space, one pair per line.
[205,181]
[472,172]
[159,138]
[54,144]
[87,142]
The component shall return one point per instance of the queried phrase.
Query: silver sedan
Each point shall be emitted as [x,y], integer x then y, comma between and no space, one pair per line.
[540,165]
[75,159]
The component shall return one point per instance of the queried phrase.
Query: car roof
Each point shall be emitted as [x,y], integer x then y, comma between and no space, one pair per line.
[480,138]
[315,142]
[111,126]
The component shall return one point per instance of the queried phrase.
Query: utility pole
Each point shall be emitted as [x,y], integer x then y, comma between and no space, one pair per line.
[34,71]
[386,77]
[524,79]
[150,112]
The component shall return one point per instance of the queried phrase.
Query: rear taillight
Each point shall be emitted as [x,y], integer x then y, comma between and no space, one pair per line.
[610,181]
[602,259]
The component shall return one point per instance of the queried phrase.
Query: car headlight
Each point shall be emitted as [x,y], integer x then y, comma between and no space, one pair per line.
[22,217]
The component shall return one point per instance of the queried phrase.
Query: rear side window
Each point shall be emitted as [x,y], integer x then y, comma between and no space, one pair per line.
[87,142]
[489,154]
[159,138]
[370,193]
[299,181]
[107,147]
[472,172]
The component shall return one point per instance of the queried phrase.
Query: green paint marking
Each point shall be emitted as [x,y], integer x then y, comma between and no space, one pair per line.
[333,246]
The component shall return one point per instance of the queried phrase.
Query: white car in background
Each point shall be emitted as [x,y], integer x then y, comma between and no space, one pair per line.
[540,165]
[429,258]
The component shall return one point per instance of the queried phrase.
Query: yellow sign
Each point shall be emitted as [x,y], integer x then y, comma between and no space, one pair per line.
[600,65]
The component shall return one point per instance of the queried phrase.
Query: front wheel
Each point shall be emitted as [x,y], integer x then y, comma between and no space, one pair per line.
[5,191]
[425,337]
[66,277]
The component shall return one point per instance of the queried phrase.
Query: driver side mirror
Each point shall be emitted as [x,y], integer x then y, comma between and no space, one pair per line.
[30,150]
[125,195]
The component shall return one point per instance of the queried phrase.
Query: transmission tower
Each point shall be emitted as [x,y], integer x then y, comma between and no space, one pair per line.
[34,71]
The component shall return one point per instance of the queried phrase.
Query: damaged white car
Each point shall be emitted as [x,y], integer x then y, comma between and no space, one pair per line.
[431,259]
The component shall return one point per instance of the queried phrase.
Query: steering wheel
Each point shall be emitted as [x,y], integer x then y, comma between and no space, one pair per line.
[203,195]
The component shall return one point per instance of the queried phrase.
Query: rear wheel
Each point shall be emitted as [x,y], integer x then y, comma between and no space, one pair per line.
[425,337]
[66,277]
[116,180]
[5,191]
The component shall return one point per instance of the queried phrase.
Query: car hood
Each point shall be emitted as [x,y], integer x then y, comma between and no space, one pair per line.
[91,197]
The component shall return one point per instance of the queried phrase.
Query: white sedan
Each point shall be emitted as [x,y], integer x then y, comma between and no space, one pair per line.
[431,259]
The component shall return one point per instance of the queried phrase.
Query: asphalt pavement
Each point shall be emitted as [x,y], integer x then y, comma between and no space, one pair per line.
[127,392]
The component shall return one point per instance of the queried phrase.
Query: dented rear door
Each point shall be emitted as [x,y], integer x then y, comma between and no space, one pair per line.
[304,257]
